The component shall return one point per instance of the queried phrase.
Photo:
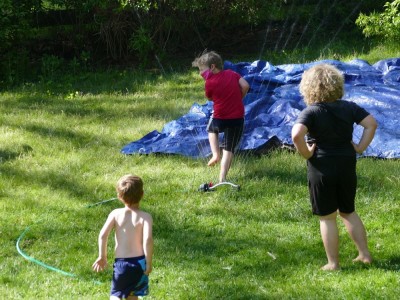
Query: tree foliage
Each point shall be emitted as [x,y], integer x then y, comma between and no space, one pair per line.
[385,24]
[15,19]
[103,32]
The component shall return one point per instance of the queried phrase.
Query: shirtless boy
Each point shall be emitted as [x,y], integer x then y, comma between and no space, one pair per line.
[133,242]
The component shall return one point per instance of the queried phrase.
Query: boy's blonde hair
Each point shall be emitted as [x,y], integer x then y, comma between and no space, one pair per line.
[322,83]
[130,189]
[207,59]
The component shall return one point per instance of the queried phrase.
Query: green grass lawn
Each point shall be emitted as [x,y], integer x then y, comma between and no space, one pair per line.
[59,151]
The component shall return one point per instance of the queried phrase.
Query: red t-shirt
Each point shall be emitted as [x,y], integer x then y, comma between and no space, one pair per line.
[224,90]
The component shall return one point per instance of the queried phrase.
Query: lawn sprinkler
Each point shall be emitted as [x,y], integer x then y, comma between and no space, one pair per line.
[207,187]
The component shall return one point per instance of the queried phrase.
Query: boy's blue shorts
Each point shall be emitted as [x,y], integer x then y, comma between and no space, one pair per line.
[128,277]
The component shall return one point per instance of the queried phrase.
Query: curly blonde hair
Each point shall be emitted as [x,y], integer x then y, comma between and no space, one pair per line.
[322,83]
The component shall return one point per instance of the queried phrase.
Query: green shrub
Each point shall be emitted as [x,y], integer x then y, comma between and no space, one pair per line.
[142,45]
[51,65]
[386,24]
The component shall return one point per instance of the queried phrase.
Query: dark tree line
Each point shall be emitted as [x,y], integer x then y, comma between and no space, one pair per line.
[38,34]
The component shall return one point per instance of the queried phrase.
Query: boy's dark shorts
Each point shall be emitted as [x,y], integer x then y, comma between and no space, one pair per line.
[332,183]
[232,129]
[128,277]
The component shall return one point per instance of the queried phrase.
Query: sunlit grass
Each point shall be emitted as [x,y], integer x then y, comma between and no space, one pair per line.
[60,151]
[343,48]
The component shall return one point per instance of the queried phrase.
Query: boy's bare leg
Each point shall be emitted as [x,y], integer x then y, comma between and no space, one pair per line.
[330,238]
[356,229]
[227,157]
[214,144]
[132,298]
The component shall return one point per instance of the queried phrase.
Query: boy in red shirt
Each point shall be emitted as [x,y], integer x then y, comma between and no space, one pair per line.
[226,89]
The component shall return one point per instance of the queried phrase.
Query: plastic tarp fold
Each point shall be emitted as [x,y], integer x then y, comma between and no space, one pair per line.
[273,104]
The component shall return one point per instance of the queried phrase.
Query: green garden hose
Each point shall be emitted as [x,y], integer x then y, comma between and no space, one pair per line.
[30,258]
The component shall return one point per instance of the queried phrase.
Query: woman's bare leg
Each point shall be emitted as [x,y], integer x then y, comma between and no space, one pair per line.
[356,230]
[330,238]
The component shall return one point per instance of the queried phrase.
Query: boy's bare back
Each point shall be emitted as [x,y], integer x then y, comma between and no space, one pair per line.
[130,225]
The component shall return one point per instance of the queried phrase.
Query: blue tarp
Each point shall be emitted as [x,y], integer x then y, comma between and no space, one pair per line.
[273,104]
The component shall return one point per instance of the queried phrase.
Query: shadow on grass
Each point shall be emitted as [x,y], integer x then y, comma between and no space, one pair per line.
[226,263]
[6,155]
[391,264]
[106,107]
[66,134]
[57,181]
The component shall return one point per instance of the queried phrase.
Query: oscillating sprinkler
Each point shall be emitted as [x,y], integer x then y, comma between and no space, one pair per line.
[207,187]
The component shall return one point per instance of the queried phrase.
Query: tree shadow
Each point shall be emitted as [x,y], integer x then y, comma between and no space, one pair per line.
[58,181]
[6,155]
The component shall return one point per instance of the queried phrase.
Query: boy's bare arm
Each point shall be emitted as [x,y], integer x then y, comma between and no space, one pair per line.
[101,261]
[244,86]
[148,242]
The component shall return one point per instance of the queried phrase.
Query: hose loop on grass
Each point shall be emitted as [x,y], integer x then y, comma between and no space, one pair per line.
[38,262]
[30,258]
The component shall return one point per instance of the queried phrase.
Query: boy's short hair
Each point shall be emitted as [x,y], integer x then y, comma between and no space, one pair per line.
[130,189]
[209,58]
[322,83]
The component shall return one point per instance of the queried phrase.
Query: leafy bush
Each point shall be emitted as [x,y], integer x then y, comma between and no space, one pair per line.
[141,43]
[15,67]
[51,65]
[386,24]
[15,19]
